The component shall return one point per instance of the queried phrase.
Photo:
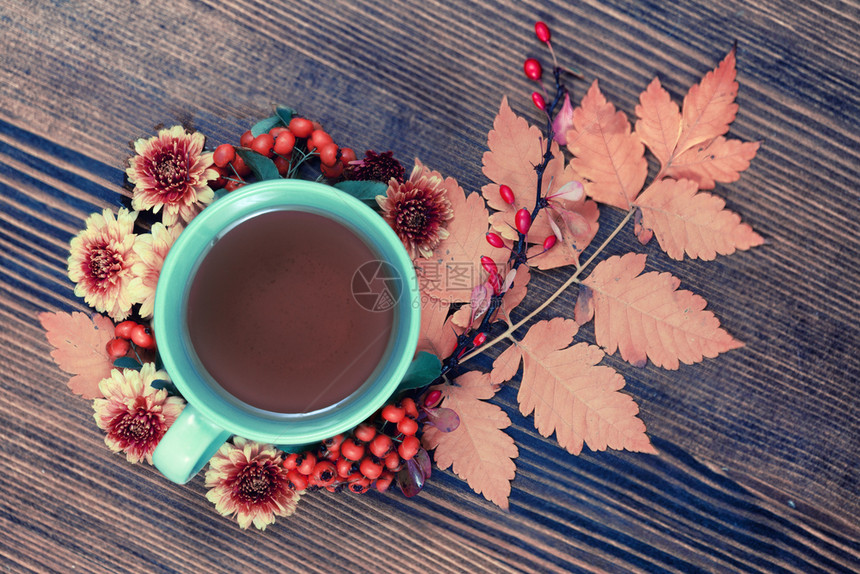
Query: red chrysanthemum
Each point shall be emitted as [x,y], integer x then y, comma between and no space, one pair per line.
[418,210]
[246,479]
[375,167]
[171,173]
[134,414]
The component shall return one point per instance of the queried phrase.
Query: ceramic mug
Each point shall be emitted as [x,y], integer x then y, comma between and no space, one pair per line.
[211,415]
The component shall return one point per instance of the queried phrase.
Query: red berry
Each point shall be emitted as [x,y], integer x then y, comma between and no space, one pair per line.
[495,240]
[301,127]
[523,220]
[290,461]
[233,185]
[334,442]
[297,480]
[384,481]
[370,468]
[488,264]
[479,339]
[364,432]
[533,69]
[407,426]
[409,447]
[223,155]
[409,405]
[542,32]
[495,280]
[124,329]
[240,166]
[392,460]
[306,462]
[345,467]
[141,336]
[332,171]
[549,242]
[432,399]
[380,445]
[538,100]
[360,486]
[393,414]
[246,139]
[328,153]
[117,348]
[263,144]
[324,473]
[347,154]
[283,164]
[285,142]
[276,131]
[352,449]
[507,194]
[318,139]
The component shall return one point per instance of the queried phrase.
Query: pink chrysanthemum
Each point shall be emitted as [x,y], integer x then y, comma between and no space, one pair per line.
[100,262]
[246,479]
[151,249]
[134,414]
[418,210]
[171,173]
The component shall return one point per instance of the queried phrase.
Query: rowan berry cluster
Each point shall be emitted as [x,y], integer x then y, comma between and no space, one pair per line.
[373,455]
[126,335]
[288,147]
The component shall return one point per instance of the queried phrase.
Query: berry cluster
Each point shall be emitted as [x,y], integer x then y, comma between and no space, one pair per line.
[370,456]
[287,146]
[126,334]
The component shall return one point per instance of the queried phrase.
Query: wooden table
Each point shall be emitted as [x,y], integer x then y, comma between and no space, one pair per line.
[758,463]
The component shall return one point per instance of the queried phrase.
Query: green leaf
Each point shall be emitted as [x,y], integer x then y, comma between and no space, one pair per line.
[263,167]
[159,384]
[363,189]
[285,113]
[126,363]
[265,125]
[424,369]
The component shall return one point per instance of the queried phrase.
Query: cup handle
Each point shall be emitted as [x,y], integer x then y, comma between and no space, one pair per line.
[188,445]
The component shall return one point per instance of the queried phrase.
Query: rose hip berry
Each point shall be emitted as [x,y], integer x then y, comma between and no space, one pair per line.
[495,240]
[223,155]
[532,69]
[542,32]
[538,101]
[549,242]
[523,220]
[141,336]
[117,348]
[507,194]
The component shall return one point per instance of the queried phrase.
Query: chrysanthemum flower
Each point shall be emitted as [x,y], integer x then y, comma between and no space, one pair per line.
[246,479]
[134,414]
[151,249]
[100,262]
[171,173]
[375,167]
[418,210]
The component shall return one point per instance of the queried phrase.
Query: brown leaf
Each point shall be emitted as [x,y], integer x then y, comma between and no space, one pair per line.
[79,348]
[515,148]
[479,450]
[696,223]
[721,160]
[570,394]
[644,316]
[607,154]
[454,269]
[437,334]
[709,107]
[659,124]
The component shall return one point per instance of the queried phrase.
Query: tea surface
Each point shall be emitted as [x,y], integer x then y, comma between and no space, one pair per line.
[272,316]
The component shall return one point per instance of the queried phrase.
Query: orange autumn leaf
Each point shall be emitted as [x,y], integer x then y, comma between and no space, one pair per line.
[685,221]
[644,316]
[607,154]
[659,123]
[578,227]
[479,450]
[515,148]
[79,348]
[709,107]
[510,300]
[721,160]
[570,393]
[454,269]
[436,334]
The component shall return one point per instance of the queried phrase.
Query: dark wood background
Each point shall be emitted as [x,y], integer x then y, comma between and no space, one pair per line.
[758,468]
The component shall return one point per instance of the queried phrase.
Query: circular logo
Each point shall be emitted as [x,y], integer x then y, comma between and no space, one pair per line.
[377,286]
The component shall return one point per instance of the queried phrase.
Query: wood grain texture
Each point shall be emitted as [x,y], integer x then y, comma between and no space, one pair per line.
[758,463]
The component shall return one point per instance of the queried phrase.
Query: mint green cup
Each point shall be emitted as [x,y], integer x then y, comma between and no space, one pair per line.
[212,415]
